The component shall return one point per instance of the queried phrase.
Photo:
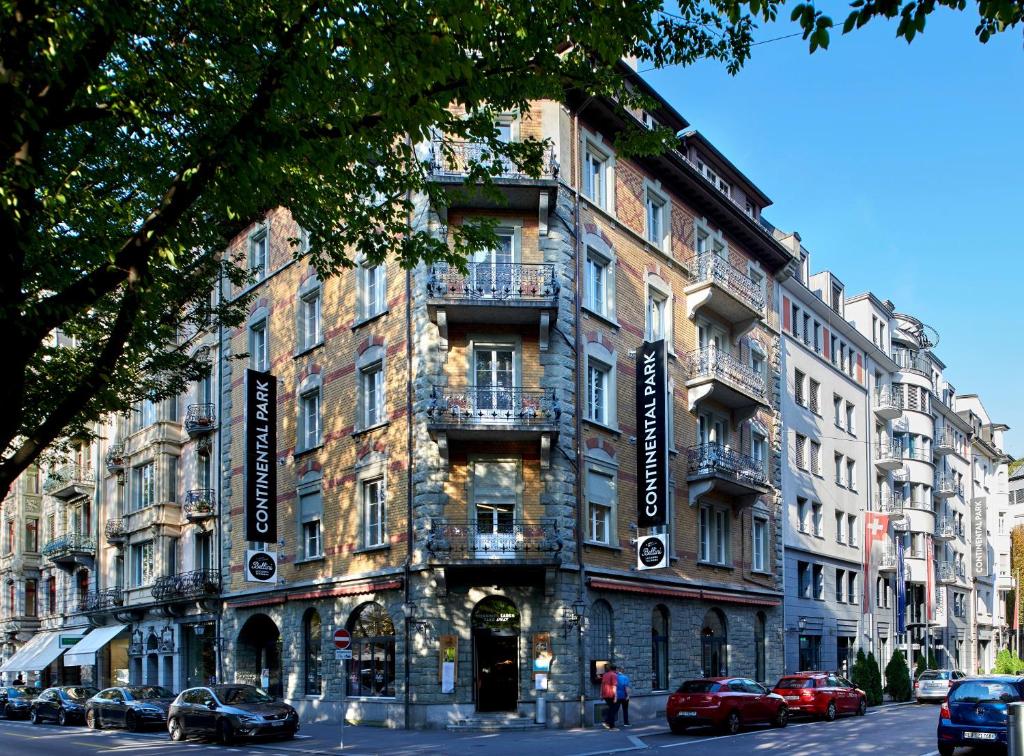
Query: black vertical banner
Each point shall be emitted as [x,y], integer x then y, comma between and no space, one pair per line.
[652,435]
[260,457]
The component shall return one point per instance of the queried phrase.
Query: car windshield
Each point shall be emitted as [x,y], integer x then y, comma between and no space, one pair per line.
[242,694]
[934,674]
[699,686]
[147,692]
[14,693]
[984,691]
[79,694]
[795,682]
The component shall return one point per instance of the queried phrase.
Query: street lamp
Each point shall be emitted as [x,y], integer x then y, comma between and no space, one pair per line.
[573,616]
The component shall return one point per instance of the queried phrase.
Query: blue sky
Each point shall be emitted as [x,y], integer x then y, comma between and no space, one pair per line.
[901,166]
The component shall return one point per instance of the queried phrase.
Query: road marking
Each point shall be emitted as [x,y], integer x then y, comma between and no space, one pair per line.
[739,735]
[931,753]
[636,741]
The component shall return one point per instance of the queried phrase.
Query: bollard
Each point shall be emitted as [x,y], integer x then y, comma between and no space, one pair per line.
[1015,729]
[541,715]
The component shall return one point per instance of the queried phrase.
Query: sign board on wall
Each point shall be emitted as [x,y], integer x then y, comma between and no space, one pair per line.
[979,550]
[651,552]
[447,662]
[260,457]
[542,653]
[652,435]
[260,566]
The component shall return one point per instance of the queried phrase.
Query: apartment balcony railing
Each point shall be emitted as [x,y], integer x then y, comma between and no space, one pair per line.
[715,374]
[115,531]
[725,291]
[945,442]
[888,456]
[887,403]
[945,530]
[949,572]
[454,540]
[714,467]
[115,458]
[511,412]
[947,486]
[917,453]
[200,504]
[186,586]
[104,600]
[493,283]
[70,549]
[888,561]
[911,362]
[70,482]
[891,504]
[450,159]
[200,418]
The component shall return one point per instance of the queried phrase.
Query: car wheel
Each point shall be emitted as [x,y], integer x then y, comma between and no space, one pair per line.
[862,708]
[62,717]
[175,729]
[131,722]
[945,750]
[34,717]
[732,723]
[3,711]
[226,732]
[678,728]
[782,718]
[830,712]
[92,721]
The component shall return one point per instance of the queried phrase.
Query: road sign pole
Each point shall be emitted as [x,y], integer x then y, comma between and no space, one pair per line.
[342,652]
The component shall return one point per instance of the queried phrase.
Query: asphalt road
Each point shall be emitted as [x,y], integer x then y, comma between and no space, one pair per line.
[892,731]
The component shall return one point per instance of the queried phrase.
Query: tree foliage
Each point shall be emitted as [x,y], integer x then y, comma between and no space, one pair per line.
[874,674]
[1008,663]
[897,677]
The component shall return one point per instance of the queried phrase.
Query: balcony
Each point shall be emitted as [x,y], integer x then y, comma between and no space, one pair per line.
[513,293]
[491,413]
[917,453]
[70,482]
[70,550]
[911,362]
[512,187]
[199,505]
[891,504]
[949,572]
[945,530]
[888,561]
[713,374]
[887,403]
[944,443]
[186,586]
[725,292]
[115,532]
[200,419]
[946,486]
[115,458]
[888,457]
[454,541]
[717,468]
[101,601]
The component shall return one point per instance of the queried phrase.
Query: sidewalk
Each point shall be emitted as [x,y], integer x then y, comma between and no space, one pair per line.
[361,740]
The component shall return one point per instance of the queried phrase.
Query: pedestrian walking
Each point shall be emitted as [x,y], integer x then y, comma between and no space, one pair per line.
[609,692]
[622,691]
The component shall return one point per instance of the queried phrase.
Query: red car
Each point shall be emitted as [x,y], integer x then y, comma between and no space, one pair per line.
[727,703]
[821,694]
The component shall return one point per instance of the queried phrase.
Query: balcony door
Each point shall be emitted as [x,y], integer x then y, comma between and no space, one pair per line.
[492,271]
[712,429]
[495,502]
[494,378]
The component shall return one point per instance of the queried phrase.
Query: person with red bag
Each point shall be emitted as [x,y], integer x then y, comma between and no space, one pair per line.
[609,692]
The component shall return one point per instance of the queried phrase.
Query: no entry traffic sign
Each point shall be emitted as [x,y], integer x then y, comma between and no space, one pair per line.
[342,638]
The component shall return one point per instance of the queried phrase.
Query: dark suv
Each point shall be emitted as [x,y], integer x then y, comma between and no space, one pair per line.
[62,705]
[15,702]
[230,712]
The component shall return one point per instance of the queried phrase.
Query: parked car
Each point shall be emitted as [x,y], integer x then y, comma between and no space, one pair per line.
[15,702]
[230,712]
[933,684]
[727,703]
[132,707]
[821,694]
[975,711]
[62,705]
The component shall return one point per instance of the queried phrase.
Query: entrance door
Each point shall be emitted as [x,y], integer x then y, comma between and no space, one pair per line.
[496,655]
[495,379]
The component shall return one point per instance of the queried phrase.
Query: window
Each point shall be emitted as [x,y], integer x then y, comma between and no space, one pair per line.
[144,486]
[803,572]
[796,321]
[800,455]
[258,357]
[309,418]
[373,290]
[258,253]
[814,392]
[714,535]
[657,315]
[147,413]
[818,579]
[371,670]
[760,537]
[597,391]
[310,518]
[850,428]
[312,641]
[51,595]
[658,223]
[374,523]
[142,564]
[312,542]
[851,529]
[31,609]
[9,539]
[851,587]
[757,359]
[172,479]
[600,631]
[759,450]
[597,176]
[171,566]
[714,645]
[839,469]
[600,505]
[309,319]
[840,527]
[816,519]
[840,585]
[815,458]
[31,535]
[798,388]
[851,475]
[801,513]
[372,383]
[837,408]
[659,648]
[810,652]
[597,279]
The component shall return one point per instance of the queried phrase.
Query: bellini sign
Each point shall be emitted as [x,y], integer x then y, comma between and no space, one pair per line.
[260,457]
[652,441]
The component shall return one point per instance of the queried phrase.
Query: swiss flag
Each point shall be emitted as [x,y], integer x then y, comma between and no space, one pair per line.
[876,526]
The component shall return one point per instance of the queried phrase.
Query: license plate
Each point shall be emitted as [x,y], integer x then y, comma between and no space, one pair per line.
[687,713]
[792,698]
[980,735]
[277,723]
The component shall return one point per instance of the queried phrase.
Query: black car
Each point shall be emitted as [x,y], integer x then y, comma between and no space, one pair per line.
[62,705]
[15,702]
[230,712]
[131,707]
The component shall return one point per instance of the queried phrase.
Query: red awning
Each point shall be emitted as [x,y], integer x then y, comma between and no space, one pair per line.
[654,589]
[345,590]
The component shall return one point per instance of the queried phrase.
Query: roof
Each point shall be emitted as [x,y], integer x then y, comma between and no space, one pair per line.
[704,143]
[1017,468]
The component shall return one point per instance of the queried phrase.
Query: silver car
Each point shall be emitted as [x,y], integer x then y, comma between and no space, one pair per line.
[933,684]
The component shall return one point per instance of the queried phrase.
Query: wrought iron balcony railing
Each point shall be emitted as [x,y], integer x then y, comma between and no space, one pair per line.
[891,452]
[200,418]
[711,362]
[493,282]
[115,531]
[720,461]
[492,405]
[99,601]
[947,485]
[514,539]
[199,504]
[454,159]
[711,267]
[891,503]
[945,441]
[70,543]
[950,572]
[67,476]
[888,398]
[115,458]
[186,585]
[910,361]
[945,529]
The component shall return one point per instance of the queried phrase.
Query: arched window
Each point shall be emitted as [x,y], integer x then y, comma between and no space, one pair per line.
[371,671]
[659,648]
[600,635]
[760,650]
[312,643]
[714,646]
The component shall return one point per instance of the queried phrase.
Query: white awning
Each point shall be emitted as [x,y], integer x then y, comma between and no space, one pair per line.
[52,645]
[32,645]
[84,652]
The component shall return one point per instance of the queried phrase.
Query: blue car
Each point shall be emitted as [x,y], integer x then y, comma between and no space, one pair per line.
[974,713]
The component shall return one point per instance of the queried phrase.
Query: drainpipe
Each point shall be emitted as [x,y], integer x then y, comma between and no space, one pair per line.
[407,662]
[218,646]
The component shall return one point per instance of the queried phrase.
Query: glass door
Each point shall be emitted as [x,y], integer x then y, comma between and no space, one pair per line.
[492,268]
[495,382]
[495,534]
